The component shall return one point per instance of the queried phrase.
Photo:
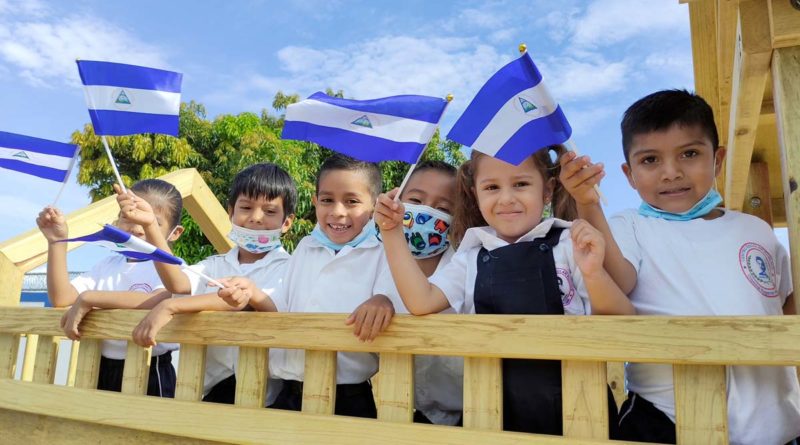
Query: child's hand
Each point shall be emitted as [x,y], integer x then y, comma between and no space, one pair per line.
[371,318]
[388,212]
[144,334]
[52,224]
[588,247]
[579,176]
[237,291]
[72,318]
[133,208]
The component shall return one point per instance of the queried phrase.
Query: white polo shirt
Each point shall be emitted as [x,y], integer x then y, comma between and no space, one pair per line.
[116,273]
[731,265]
[319,280]
[457,279]
[267,273]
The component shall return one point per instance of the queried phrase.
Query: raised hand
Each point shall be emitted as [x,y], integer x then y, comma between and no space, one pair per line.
[53,224]
[133,208]
[388,212]
[579,176]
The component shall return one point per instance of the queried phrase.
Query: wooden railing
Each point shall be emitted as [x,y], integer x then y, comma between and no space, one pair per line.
[697,347]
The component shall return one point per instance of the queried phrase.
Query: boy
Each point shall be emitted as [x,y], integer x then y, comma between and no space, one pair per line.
[338,268]
[692,258]
[261,207]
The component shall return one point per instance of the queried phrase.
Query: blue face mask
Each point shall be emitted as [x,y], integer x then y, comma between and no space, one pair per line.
[702,208]
[322,238]
[426,230]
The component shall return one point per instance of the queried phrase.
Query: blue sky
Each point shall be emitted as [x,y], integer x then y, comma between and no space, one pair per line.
[597,57]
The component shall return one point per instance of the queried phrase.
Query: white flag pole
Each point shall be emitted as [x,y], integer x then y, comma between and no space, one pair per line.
[66,178]
[203,276]
[411,169]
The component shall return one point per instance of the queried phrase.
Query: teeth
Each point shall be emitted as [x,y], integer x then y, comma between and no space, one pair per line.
[338,226]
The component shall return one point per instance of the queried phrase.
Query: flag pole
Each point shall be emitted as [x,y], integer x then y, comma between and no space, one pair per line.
[66,178]
[411,169]
[203,276]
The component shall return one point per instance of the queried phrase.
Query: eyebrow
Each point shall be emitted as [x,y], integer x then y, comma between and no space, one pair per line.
[645,150]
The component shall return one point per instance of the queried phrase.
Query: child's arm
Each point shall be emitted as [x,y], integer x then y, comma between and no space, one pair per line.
[54,228]
[371,317]
[588,251]
[579,176]
[418,294]
[90,300]
[788,305]
[138,211]
[241,291]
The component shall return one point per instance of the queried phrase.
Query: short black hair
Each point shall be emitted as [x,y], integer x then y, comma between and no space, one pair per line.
[342,162]
[663,109]
[161,194]
[433,164]
[264,179]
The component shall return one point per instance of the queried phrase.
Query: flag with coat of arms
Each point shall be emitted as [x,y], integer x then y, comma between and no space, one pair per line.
[37,157]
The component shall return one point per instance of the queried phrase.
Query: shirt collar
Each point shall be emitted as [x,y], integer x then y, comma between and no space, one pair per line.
[232,257]
[487,237]
[371,241]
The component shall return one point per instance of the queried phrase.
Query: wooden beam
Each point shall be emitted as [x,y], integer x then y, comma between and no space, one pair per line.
[615,372]
[483,393]
[585,399]
[191,372]
[319,387]
[750,70]
[9,345]
[727,18]
[758,201]
[209,214]
[88,364]
[701,414]
[11,278]
[786,95]
[784,24]
[44,369]
[396,393]
[251,377]
[136,370]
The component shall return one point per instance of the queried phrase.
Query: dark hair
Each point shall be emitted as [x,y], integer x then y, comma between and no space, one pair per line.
[161,195]
[342,162]
[264,179]
[468,214]
[663,109]
[439,166]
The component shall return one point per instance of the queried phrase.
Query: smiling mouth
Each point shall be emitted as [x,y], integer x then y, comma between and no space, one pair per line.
[674,192]
[339,227]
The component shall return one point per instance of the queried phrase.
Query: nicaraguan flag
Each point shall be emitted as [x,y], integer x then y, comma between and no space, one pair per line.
[393,128]
[513,115]
[132,247]
[128,99]
[38,157]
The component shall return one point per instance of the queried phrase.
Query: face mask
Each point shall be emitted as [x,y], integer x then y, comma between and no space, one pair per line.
[366,232]
[255,241]
[426,230]
[702,208]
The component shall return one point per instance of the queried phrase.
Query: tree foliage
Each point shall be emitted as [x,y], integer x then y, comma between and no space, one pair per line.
[218,149]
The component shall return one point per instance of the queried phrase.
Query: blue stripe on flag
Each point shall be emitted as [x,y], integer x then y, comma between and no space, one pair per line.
[421,108]
[120,123]
[535,135]
[52,174]
[115,235]
[517,75]
[129,76]
[107,233]
[37,145]
[360,146]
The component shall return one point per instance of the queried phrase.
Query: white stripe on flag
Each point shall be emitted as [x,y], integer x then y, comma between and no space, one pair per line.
[34,158]
[393,128]
[511,117]
[101,97]
[134,244]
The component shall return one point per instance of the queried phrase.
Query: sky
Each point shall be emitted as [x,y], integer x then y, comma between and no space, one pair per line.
[596,56]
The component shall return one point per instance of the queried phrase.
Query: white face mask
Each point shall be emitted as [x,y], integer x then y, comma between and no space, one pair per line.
[255,241]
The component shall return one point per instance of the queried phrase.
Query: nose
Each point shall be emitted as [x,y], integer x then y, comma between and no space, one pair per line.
[339,209]
[256,216]
[671,170]
[506,195]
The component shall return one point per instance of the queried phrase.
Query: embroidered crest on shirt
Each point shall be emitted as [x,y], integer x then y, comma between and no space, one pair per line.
[141,287]
[565,286]
[759,268]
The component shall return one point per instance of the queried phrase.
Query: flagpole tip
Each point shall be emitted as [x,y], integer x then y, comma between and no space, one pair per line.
[449,97]
[523,48]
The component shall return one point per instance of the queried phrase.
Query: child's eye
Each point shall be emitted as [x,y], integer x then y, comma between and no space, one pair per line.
[648,160]
[414,201]
[353,201]
[690,153]
[490,187]
[326,200]
[521,184]
[244,207]
[443,209]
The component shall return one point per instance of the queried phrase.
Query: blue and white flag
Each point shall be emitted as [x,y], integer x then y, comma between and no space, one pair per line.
[393,128]
[38,157]
[128,99]
[132,247]
[513,115]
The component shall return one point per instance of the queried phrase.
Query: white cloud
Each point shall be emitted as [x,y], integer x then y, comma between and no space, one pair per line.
[607,22]
[579,79]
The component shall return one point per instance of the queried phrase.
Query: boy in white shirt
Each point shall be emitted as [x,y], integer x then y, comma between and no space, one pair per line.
[691,258]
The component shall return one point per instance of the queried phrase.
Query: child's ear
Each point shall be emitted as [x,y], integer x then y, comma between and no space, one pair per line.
[287,223]
[176,233]
[549,188]
[314,200]
[719,158]
[626,168]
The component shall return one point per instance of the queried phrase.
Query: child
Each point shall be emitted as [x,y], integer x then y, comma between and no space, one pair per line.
[137,282]
[692,258]
[261,207]
[510,261]
[338,268]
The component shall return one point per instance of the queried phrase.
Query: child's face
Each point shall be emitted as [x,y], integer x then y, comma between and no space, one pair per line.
[259,213]
[673,169]
[343,204]
[511,197]
[432,188]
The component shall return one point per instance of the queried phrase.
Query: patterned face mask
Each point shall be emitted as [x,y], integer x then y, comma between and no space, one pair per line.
[426,230]
[255,241]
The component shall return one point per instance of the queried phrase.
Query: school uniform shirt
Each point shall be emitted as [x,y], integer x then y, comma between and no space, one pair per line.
[116,273]
[731,265]
[319,280]
[457,279]
[267,273]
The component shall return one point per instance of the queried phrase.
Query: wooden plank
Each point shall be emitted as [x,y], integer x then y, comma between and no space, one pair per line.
[251,377]
[209,214]
[727,18]
[319,387]
[136,370]
[211,421]
[396,394]
[88,367]
[786,95]
[483,393]
[701,414]
[750,71]
[584,399]
[72,368]
[29,357]
[10,281]
[44,369]
[9,346]
[757,197]
[784,24]
[615,372]
[191,372]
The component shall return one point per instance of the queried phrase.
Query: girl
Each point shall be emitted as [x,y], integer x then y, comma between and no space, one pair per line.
[133,280]
[511,261]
